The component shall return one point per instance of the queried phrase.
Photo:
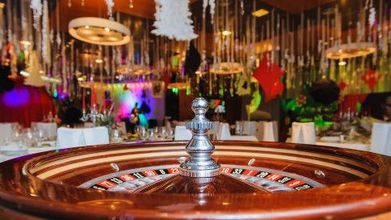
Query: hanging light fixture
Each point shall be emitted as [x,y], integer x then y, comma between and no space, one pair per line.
[350,50]
[99,31]
[179,85]
[342,62]
[226,68]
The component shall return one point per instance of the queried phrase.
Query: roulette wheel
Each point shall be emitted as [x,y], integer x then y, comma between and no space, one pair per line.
[219,180]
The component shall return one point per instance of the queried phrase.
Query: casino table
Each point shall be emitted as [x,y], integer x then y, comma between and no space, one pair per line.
[258,180]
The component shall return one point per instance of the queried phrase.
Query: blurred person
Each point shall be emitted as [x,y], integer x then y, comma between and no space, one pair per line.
[387,109]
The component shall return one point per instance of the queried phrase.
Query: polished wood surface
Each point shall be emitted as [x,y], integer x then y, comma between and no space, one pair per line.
[345,196]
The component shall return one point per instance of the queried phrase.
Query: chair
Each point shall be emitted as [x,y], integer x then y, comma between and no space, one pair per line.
[224,134]
[381,138]
[69,137]
[75,137]
[249,127]
[97,135]
[267,131]
[182,134]
[303,133]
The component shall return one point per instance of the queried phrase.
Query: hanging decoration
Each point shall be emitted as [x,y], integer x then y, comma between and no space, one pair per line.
[45,34]
[371,77]
[256,100]
[192,61]
[110,4]
[243,85]
[212,6]
[173,20]
[33,73]
[268,76]
[372,12]
[342,85]
[1,24]
[36,6]
[58,34]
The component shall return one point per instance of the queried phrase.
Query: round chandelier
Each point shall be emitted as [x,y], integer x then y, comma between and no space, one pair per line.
[178,85]
[99,31]
[350,50]
[226,68]
[135,70]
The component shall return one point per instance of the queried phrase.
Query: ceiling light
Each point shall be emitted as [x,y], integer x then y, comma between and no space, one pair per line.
[226,33]
[259,13]
[51,79]
[100,31]
[25,43]
[24,73]
[99,61]
[342,63]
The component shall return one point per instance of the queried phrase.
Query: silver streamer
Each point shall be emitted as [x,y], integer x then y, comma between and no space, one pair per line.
[36,6]
[45,33]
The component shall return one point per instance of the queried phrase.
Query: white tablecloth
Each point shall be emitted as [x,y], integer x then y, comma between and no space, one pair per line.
[31,150]
[346,145]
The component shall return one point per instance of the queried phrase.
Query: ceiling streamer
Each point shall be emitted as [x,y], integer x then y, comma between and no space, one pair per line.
[36,6]
[110,4]
[46,34]
[212,5]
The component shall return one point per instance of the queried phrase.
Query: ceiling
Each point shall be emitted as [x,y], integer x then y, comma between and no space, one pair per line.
[146,8]
[98,8]
[296,6]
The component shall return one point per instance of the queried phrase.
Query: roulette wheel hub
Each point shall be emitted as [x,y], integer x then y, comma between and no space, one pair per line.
[200,164]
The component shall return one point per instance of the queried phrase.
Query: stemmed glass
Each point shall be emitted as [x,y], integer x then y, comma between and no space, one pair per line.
[141,131]
[151,134]
[163,132]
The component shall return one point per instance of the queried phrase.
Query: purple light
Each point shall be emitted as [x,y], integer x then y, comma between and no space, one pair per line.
[16,97]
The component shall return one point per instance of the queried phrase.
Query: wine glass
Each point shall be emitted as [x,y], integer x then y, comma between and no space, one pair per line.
[151,134]
[163,132]
[142,132]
